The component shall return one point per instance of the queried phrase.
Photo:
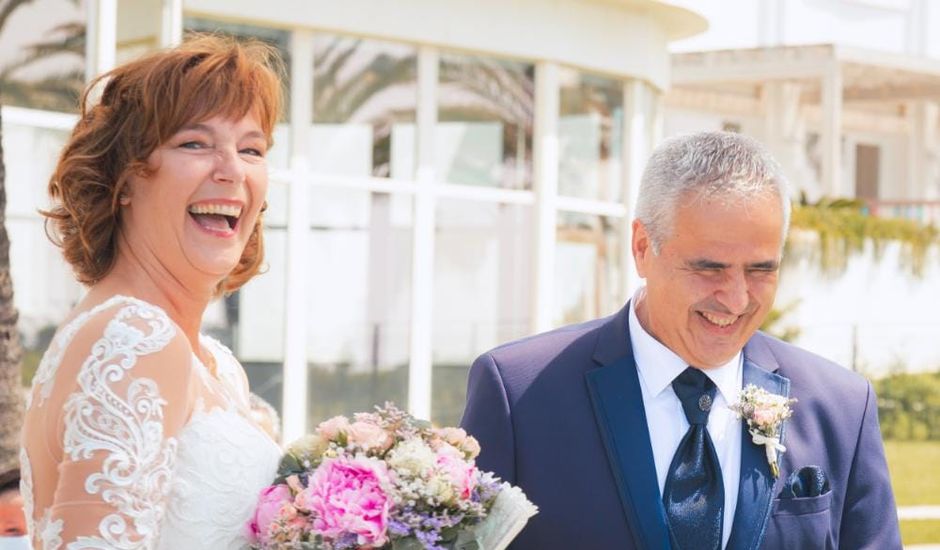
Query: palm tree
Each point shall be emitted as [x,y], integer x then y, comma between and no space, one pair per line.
[58,91]
[11,405]
[54,92]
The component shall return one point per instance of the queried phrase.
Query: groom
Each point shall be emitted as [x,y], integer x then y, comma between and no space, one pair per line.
[620,430]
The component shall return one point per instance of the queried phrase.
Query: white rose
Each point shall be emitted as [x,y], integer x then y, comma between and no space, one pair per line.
[413,456]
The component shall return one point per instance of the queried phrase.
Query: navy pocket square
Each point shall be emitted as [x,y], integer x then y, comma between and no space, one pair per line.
[808,481]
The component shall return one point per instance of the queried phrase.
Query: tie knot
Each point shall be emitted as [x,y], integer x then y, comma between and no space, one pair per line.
[696,391]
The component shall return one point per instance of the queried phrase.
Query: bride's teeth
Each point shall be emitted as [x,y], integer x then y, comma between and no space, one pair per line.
[220,209]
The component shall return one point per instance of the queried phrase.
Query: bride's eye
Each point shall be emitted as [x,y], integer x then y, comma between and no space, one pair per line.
[193,144]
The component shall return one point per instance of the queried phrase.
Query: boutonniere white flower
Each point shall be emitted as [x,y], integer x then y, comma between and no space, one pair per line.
[764,413]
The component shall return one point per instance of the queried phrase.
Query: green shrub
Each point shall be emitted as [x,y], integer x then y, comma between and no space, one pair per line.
[909,406]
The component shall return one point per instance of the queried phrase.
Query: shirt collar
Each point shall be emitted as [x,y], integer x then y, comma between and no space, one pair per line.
[658,365]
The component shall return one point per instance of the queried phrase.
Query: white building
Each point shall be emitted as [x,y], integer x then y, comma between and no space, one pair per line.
[451,175]
[845,92]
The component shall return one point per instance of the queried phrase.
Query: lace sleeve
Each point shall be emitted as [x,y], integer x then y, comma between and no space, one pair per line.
[132,394]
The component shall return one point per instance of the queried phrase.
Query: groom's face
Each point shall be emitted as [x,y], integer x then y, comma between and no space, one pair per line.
[715,277]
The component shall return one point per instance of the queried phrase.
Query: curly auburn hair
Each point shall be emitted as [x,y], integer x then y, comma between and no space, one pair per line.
[144,103]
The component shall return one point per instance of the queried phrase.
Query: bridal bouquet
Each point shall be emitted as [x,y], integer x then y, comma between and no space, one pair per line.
[385,480]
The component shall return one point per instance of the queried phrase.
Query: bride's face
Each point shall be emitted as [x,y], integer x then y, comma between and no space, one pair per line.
[195,212]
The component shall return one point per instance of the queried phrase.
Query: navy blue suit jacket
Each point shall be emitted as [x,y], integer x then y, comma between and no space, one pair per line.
[561,415]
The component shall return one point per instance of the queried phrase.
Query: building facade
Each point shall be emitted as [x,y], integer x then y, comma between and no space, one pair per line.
[448,176]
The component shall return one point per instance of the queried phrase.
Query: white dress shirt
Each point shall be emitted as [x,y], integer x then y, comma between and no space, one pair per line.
[658,366]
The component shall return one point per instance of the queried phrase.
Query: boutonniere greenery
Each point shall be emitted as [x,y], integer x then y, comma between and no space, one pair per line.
[764,413]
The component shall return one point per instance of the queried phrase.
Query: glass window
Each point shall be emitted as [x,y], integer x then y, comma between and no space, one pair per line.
[42,54]
[365,95]
[359,323]
[251,321]
[485,117]
[590,137]
[44,286]
[481,274]
[589,279]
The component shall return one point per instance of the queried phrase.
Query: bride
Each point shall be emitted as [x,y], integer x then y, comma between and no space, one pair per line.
[138,432]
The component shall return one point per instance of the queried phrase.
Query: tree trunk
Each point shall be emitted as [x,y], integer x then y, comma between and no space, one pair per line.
[11,393]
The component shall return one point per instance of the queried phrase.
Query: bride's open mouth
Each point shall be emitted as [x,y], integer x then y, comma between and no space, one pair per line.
[216,217]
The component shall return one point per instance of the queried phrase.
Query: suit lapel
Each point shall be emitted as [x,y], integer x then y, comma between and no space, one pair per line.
[621,420]
[755,492]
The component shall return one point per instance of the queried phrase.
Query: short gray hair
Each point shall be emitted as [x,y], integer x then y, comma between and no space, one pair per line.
[705,164]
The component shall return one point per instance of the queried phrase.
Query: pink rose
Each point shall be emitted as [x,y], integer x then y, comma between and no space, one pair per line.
[459,438]
[347,496]
[368,436]
[330,429]
[271,502]
[461,473]
[764,418]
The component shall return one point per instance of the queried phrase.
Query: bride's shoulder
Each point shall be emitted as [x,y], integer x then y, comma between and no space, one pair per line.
[123,326]
[121,331]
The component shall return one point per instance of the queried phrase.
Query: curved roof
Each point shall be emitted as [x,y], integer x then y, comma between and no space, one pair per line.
[621,38]
[677,21]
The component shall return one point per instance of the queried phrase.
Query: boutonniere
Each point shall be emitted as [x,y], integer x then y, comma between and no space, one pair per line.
[764,413]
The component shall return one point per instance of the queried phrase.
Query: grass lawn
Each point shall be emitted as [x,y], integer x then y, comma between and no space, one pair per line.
[915,474]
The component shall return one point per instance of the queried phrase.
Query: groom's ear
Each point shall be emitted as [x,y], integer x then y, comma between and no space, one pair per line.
[642,248]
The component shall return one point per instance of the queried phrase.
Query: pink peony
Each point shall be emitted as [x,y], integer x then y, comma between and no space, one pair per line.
[331,428]
[347,496]
[271,502]
[457,470]
[368,436]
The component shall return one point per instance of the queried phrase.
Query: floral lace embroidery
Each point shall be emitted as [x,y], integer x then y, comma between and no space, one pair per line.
[26,490]
[135,475]
[50,532]
[45,373]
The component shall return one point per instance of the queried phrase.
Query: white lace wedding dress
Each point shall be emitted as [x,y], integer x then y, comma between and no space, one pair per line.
[130,442]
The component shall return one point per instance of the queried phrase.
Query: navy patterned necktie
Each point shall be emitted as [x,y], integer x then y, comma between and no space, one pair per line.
[694,495]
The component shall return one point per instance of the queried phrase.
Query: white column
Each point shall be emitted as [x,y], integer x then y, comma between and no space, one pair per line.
[916,28]
[101,37]
[637,134]
[831,135]
[422,268]
[930,190]
[545,167]
[298,233]
[171,23]
[770,103]
[921,148]
[770,22]
[781,104]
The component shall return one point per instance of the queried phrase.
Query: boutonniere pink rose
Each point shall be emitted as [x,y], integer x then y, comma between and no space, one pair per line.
[764,413]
